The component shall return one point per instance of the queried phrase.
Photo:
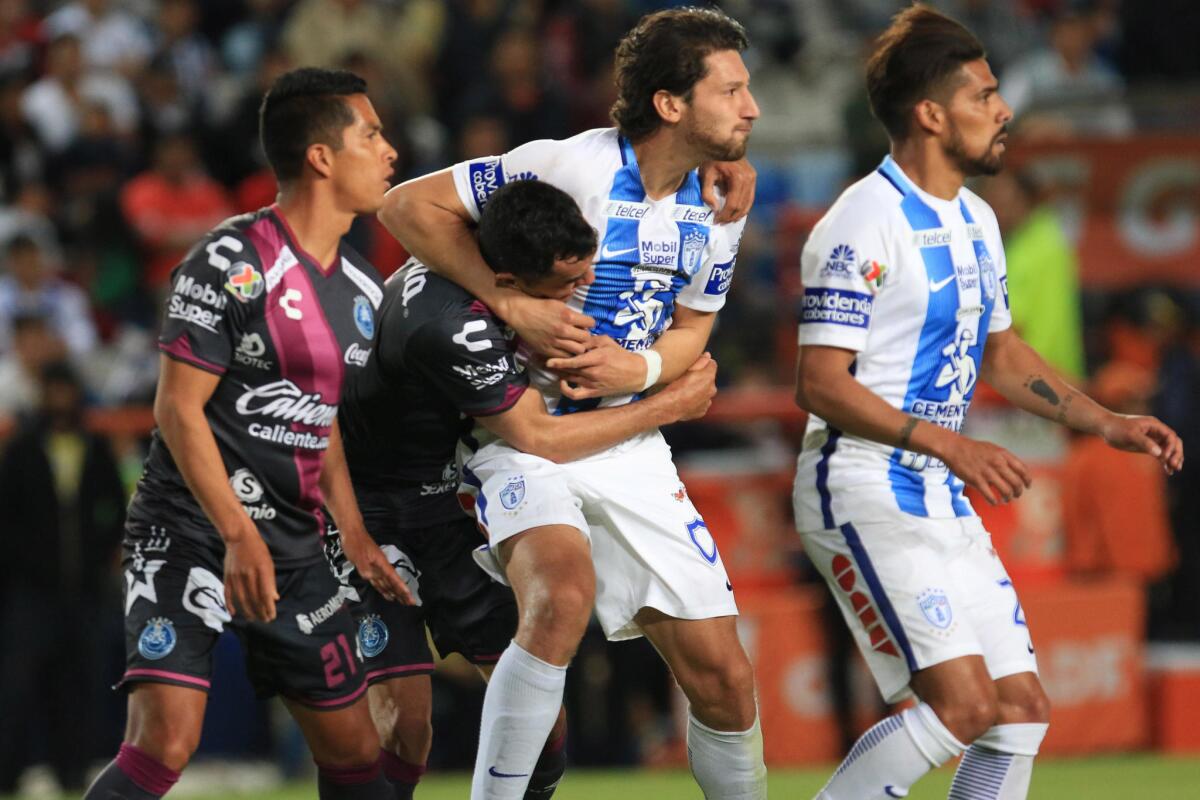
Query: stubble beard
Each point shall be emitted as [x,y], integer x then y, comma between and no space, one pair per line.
[972,166]
[709,148]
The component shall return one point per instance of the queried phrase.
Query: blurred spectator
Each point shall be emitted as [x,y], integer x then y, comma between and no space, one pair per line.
[20,38]
[248,40]
[518,93]
[165,109]
[172,205]
[1115,503]
[236,150]
[29,215]
[55,103]
[402,40]
[1008,28]
[112,38]
[21,156]
[477,26]
[64,504]
[33,346]
[1043,272]
[1066,88]
[184,51]
[29,286]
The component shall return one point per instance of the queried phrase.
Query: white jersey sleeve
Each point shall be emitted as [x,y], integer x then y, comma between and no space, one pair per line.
[842,268]
[706,289]
[477,179]
[1001,319]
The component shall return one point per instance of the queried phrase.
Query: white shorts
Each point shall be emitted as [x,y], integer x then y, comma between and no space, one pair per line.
[918,592]
[650,547]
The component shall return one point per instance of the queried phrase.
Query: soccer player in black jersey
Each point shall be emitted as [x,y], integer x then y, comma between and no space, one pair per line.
[440,359]
[267,315]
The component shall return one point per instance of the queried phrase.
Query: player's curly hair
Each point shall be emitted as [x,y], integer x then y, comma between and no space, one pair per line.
[304,107]
[527,225]
[918,57]
[666,51]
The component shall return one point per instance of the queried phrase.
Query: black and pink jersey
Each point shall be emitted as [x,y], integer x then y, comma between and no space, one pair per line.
[248,304]
[441,358]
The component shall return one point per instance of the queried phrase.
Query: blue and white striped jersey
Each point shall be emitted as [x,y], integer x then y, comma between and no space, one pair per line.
[652,254]
[913,284]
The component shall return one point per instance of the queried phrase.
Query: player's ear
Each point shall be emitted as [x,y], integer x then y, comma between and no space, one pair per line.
[930,116]
[320,158]
[668,106]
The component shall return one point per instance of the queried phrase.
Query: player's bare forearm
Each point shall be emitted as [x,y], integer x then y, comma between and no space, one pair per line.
[825,387]
[1023,378]
[531,429]
[684,342]
[179,404]
[337,488]
[426,216]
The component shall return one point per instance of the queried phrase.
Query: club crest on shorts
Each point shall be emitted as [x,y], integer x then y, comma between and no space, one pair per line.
[372,635]
[158,639]
[513,492]
[936,608]
[703,540]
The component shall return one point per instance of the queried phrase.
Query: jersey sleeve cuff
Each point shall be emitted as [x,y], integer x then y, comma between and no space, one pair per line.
[181,350]
[832,336]
[511,395]
[462,184]
[706,304]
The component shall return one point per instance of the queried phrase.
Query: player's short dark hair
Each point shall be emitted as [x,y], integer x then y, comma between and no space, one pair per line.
[666,51]
[304,107]
[918,57]
[527,225]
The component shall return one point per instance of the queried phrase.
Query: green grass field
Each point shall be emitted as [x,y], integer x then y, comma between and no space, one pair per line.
[1143,777]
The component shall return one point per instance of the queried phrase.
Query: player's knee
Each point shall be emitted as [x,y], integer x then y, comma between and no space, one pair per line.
[560,611]
[969,718]
[722,694]
[169,743]
[1031,705]
[409,737]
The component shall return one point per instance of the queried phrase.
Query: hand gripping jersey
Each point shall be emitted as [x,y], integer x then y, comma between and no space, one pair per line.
[652,253]
[913,284]
[249,305]
[441,356]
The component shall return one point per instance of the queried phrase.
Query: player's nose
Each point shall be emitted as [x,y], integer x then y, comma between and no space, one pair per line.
[750,111]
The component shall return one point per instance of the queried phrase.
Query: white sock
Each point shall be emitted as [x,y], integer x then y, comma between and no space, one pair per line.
[892,756]
[519,709]
[727,765]
[999,765]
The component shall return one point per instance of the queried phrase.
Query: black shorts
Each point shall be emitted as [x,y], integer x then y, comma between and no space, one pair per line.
[175,610]
[467,612]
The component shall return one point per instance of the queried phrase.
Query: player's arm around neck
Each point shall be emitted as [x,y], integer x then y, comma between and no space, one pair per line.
[427,216]
[1023,377]
[530,428]
[825,387]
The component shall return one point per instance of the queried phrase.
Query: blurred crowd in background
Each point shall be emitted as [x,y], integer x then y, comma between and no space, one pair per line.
[128,128]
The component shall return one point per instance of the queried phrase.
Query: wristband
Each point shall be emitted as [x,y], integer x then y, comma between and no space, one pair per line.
[653,367]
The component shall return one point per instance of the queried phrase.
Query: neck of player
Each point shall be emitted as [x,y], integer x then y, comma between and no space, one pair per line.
[926,164]
[664,162]
[317,225]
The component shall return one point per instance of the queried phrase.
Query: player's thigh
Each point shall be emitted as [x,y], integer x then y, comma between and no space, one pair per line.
[650,545]
[992,604]
[549,569]
[513,492]
[174,609]
[700,652]
[307,653]
[891,581]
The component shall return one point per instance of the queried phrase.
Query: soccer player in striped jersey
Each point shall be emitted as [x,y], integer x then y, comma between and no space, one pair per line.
[904,286]
[615,529]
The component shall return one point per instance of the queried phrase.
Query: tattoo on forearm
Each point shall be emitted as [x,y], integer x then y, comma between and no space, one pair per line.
[906,432]
[1038,386]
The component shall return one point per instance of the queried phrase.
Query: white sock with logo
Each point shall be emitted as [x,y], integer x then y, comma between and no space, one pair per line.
[892,756]
[519,709]
[999,765]
[727,765]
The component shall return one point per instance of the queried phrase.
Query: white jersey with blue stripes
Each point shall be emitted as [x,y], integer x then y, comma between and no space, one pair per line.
[913,284]
[652,254]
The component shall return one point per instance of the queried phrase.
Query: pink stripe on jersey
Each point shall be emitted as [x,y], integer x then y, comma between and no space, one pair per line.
[181,349]
[308,350]
[165,675]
